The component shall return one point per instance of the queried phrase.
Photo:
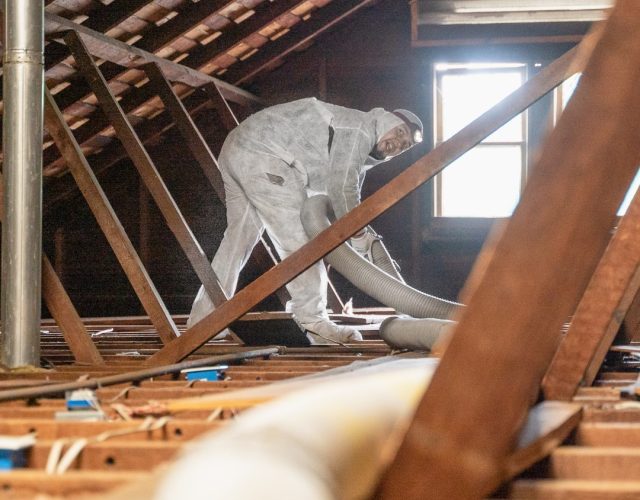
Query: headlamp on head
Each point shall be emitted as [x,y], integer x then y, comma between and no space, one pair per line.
[417,136]
[413,122]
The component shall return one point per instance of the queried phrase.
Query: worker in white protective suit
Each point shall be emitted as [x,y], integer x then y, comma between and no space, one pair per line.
[271,163]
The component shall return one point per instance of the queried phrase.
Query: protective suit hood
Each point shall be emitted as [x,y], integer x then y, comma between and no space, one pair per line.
[384,121]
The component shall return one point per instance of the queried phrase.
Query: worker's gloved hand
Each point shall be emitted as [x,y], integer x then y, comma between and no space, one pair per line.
[362,243]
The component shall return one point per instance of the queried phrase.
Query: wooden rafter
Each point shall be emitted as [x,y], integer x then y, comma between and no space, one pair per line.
[599,315]
[108,221]
[467,422]
[409,180]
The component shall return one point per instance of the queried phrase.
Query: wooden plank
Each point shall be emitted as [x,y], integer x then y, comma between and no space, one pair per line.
[618,434]
[112,455]
[575,490]
[405,183]
[62,309]
[221,106]
[598,463]
[548,425]
[301,34]
[599,315]
[147,169]
[465,425]
[45,429]
[68,319]
[131,57]
[108,221]
[36,483]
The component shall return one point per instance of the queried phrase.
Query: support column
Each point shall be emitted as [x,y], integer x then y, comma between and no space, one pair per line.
[23,81]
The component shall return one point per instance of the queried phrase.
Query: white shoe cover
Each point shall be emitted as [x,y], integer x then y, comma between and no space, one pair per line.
[327,332]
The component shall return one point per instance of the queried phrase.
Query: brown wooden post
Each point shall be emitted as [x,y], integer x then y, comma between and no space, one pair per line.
[599,315]
[63,311]
[372,207]
[467,423]
[146,168]
[108,221]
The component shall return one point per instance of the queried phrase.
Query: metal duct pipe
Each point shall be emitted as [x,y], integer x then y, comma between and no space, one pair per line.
[23,82]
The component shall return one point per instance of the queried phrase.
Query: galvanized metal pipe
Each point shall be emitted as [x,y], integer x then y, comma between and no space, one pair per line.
[23,82]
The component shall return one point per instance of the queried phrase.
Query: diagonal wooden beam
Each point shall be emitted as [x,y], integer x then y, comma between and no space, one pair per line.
[160,86]
[63,311]
[108,221]
[466,424]
[66,316]
[301,34]
[599,315]
[146,168]
[372,207]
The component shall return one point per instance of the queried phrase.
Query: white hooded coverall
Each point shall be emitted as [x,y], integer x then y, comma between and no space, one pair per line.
[270,163]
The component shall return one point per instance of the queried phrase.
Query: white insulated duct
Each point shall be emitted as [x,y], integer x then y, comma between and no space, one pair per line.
[329,441]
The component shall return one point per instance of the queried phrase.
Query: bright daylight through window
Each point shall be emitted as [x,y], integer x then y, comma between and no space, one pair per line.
[486,181]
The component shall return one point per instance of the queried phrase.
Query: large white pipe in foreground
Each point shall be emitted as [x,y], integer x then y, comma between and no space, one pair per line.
[328,441]
[23,80]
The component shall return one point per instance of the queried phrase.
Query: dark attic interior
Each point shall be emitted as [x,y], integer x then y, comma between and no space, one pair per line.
[202,296]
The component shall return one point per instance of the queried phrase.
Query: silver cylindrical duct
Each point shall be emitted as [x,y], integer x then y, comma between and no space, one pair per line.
[23,80]
[370,279]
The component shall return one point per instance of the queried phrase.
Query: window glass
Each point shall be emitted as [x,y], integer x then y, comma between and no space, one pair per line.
[488,177]
[485,182]
[469,95]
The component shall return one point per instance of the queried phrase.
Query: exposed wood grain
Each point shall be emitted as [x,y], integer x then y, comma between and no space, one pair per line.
[466,424]
[575,490]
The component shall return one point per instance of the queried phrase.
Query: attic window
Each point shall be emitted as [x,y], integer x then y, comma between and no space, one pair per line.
[487,180]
